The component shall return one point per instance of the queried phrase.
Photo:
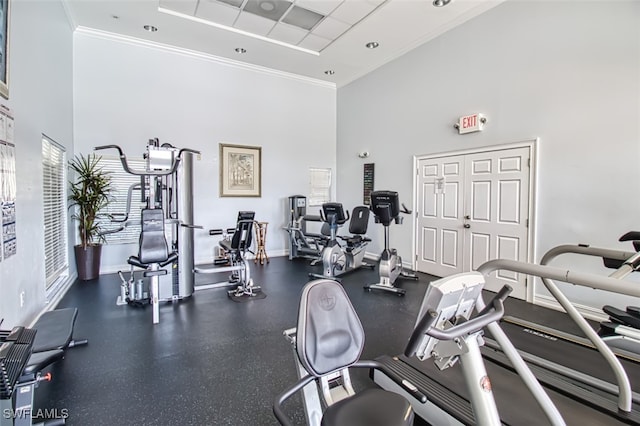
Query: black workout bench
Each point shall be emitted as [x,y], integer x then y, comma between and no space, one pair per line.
[24,353]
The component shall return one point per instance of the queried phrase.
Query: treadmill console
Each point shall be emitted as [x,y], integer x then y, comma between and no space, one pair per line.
[452,299]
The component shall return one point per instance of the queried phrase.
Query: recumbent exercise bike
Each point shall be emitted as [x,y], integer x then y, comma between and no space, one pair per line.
[338,260]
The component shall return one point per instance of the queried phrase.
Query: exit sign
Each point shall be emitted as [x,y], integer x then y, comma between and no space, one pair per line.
[470,123]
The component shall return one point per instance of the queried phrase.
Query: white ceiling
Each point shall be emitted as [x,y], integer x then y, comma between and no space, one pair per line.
[337,42]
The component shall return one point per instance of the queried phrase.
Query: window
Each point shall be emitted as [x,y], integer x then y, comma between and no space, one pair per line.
[121,183]
[54,194]
[319,186]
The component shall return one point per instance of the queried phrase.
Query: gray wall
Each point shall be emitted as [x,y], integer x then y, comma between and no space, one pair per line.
[126,93]
[40,95]
[567,72]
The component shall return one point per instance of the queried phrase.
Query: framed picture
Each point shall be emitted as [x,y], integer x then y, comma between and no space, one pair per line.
[240,171]
[4,48]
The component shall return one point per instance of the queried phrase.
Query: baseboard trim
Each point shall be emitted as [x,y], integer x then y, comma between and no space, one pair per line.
[588,312]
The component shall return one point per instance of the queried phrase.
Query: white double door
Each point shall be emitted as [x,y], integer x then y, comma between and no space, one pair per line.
[472,208]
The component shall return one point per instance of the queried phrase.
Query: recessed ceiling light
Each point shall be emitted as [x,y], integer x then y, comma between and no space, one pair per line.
[440,3]
[241,50]
[329,72]
[150,28]
[372,45]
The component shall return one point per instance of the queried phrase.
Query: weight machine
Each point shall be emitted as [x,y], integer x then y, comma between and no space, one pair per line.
[232,258]
[301,242]
[166,184]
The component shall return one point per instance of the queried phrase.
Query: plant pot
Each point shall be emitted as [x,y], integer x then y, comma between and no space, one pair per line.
[88,262]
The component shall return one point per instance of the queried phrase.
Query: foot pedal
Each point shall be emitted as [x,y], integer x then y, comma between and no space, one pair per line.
[621,316]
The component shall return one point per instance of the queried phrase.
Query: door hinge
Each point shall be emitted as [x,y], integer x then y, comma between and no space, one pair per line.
[529,162]
[527,224]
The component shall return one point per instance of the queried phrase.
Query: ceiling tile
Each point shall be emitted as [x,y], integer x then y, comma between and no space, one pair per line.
[254,24]
[323,7]
[216,12]
[313,42]
[188,7]
[302,18]
[270,9]
[352,12]
[287,33]
[234,3]
[330,28]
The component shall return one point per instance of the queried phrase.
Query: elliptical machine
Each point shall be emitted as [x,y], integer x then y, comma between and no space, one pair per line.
[336,259]
[386,207]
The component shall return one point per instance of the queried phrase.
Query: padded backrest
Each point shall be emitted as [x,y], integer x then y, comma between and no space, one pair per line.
[329,336]
[359,220]
[241,239]
[153,244]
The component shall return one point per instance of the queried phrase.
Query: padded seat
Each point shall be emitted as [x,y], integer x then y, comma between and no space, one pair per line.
[330,338]
[371,407]
[55,329]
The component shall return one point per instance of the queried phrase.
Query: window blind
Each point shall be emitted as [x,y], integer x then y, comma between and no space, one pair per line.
[121,182]
[54,191]
[319,186]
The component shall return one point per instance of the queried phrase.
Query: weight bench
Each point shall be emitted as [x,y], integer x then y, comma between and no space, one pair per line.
[27,352]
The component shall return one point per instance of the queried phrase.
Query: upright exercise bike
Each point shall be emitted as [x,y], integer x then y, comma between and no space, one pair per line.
[386,208]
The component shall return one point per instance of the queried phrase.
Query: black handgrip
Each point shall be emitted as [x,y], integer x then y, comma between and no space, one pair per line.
[186,225]
[98,148]
[630,236]
[426,322]
[172,258]
[215,231]
[189,150]
[496,303]
[405,210]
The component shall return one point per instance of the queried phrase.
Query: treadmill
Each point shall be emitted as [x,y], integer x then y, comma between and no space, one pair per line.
[556,395]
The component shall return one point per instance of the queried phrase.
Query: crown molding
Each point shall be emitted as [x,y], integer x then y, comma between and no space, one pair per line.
[104,35]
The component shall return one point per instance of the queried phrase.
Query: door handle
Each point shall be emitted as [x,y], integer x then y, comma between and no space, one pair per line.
[466,225]
[467,217]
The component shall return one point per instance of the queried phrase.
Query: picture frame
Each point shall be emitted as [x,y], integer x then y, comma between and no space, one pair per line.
[240,171]
[5,9]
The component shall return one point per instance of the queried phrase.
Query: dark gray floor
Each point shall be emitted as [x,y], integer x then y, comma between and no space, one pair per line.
[212,361]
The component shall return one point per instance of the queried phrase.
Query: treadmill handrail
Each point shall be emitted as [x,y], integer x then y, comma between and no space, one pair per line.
[491,313]
[547,273]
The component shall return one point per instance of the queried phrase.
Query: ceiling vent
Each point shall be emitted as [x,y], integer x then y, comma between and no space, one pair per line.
[310,25]
[270,9]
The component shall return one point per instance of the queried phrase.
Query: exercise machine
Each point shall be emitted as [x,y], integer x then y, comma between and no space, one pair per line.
[166,183]
[153,255]
[623,328]
[303,243]
[235,248]
[446,332]
[327,341]
[621,332]
[24,354]
[386,208]
[338,260]
[579,396]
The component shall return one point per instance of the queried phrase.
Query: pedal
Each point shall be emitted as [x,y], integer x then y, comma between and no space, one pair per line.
[622,316]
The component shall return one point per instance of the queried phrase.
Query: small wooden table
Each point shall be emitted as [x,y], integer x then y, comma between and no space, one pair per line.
[261,237]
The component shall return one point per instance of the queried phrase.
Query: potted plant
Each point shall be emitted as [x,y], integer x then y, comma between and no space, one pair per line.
[90,193]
